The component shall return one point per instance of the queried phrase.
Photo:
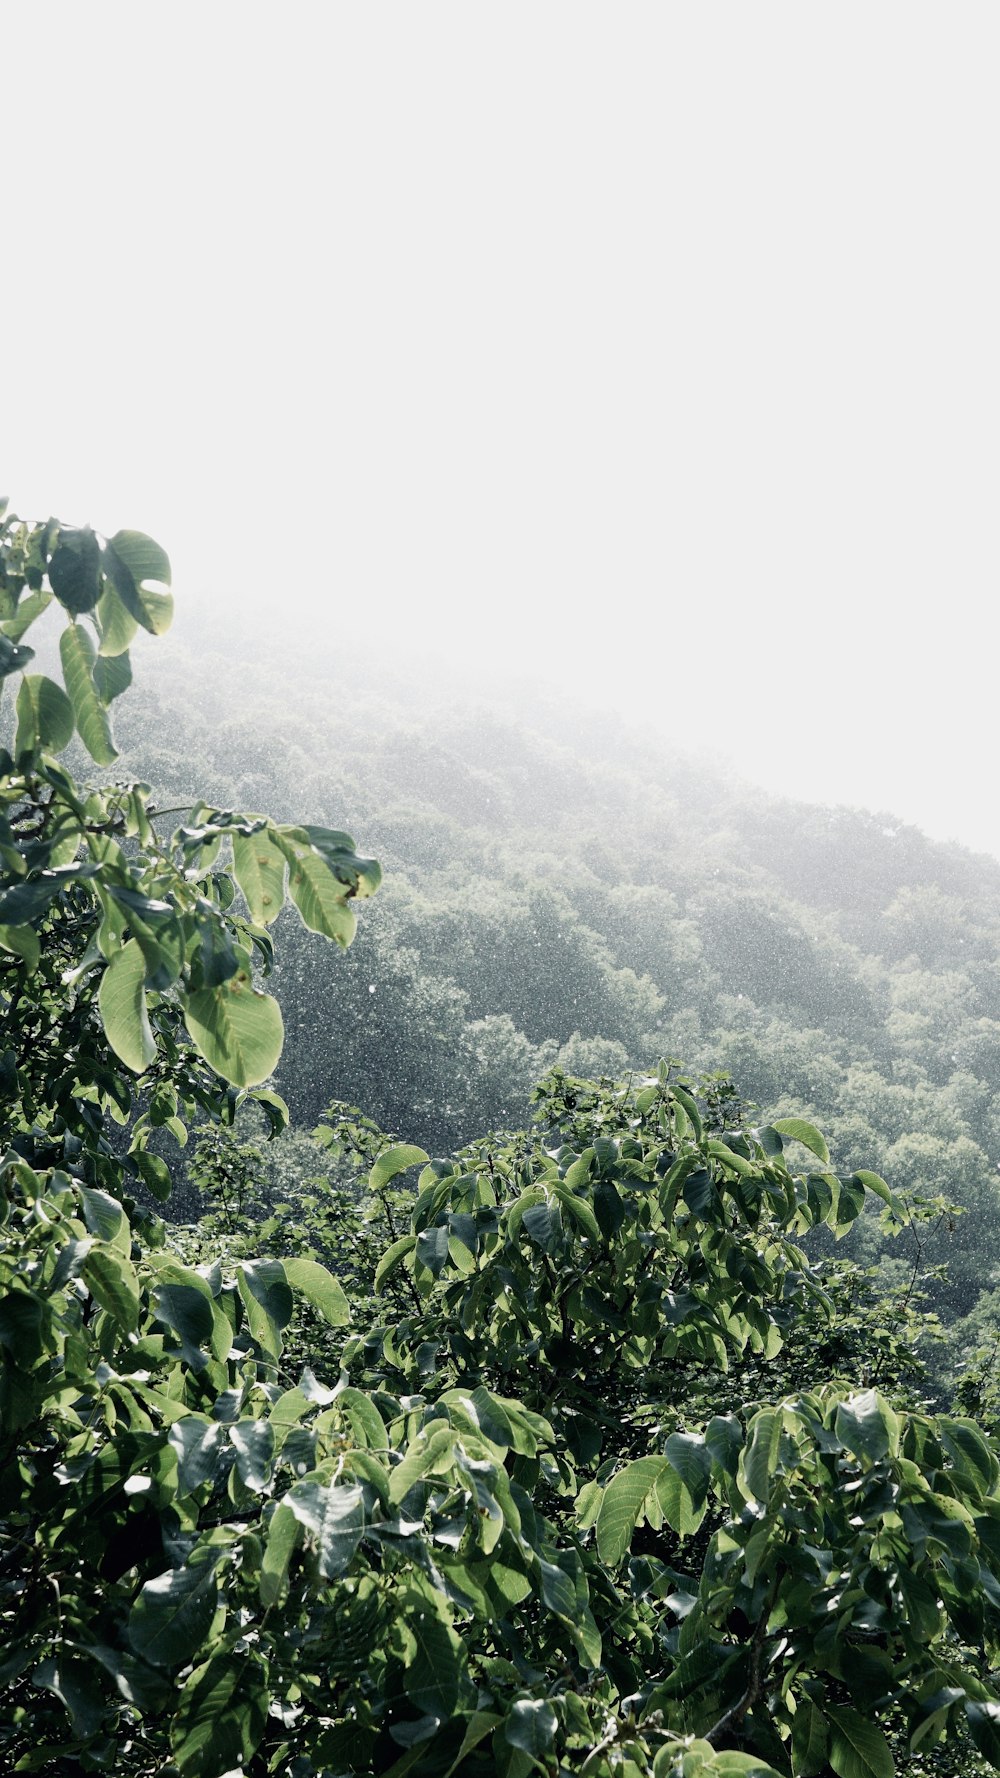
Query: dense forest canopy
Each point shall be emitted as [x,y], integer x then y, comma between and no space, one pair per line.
[562,889]
[406,1365]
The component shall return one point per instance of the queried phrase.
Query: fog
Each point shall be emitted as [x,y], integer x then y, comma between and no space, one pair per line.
[649,354]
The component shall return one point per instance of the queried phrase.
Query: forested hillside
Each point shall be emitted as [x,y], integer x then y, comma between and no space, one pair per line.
[563,889]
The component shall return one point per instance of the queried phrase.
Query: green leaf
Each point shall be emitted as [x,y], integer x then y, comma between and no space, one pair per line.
[112,1281]
[391,1258]
[857,1748]
[77,654]
[188,1313]
[173,1614]
[320,899]
[28,609]
[531,1725]
[334,1516]
[283,1533]
[75,569]
[115,623]
[220,1716]
[392,1161]
[481,1723]
[238,1030]
[23,942]
[867,1425]
[122,1000]
[197,1443]
[138,568]
[809,1740]
[112,677]
[104,1216]
[433,1657]
[983,1718]
[253,1442]
[44,716]
[623,1505]
[803,1132]
[259,867]
[320,1290]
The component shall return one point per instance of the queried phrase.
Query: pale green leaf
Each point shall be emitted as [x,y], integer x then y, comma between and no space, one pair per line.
[77,653]
[122,1000]
[238,1030]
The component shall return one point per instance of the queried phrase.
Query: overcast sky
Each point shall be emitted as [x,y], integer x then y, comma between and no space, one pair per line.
[653,347]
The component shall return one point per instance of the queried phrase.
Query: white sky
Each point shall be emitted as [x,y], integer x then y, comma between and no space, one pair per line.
[653,345]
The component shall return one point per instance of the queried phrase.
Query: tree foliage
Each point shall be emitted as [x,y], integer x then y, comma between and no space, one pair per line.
[561,1491]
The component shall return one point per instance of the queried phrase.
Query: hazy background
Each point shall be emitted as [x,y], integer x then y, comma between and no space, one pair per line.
[649,349]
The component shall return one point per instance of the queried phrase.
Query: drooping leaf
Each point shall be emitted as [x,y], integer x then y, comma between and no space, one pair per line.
[139,569]
[531,1725]
[858,1749]
[259,866]
[44,716]
[173,1614]
[320,1289]
[803,1132]
[122,1000]
[334,1517]
[393,1161]
[253,1442]
[220,1717]
[238,1030]
[78,656]
[197,1443]
[320,899]
[111,1279]
[623,1505]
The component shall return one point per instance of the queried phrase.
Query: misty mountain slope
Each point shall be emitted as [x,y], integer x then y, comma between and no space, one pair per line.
[573,892]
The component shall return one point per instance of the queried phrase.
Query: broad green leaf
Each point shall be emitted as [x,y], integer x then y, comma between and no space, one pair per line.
[624,1503]
[253,1442]
[23,942]
[857,1748]
[392,1161]
[391,1258]
[197,1443]
[173,1614]
[75,569]
[112,1281]
[112,676]
[810,1739]
[334,1517]
[320,899]
[983,1718]
[283,1534]
[220,1716]
[139,569]
[267,1299]
[76,1684]
[28,609]
[431,1448]
[433,1656]
[115,623]
[122,1000]
[759,1455]
[803,1132]
[188,1313]
[481,1723]
[259,867]
[320,1290]
[238,1030]
[104,1217]
[44,716]
[867,1425]
[531,1725]
[77,654]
